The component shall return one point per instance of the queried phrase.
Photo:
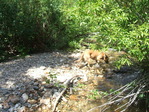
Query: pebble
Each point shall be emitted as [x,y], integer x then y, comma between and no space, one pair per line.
[48,85]
[11,110]
[14,99]
[36,84]
[35,97]
[6,105]
[24,97]
[42,67]
[42,88]
[48,93]
[35,87]
[1,106]
[17,105]
[2,99]
[56,94]
[29,105]
[32,101]
[46,101]
[21,109]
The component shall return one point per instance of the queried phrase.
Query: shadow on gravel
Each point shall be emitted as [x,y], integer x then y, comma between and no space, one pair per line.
[18,79]
[20,71]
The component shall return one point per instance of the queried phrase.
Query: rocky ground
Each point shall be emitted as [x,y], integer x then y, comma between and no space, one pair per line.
[34,83]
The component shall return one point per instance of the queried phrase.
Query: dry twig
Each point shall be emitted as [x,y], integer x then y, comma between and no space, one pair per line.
[63,91]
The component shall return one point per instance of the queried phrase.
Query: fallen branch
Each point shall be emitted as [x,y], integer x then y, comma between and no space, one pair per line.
[121,106]
[63,91]
[112,102]
[125,86]
[136,87]
[134,98]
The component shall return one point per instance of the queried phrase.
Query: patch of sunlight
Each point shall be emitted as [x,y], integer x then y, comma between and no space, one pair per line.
[36,73]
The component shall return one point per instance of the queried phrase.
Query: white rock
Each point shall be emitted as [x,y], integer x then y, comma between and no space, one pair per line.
[56,94]
[64,77]
[46,102]
[11,109]
[25,97]
[17,105]
[21,109]
[1,106]
[42,67]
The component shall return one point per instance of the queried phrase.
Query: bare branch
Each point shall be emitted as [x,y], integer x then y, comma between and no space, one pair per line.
[112,102]
[66,86]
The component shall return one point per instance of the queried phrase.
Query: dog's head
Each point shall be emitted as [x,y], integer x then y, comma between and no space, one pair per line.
[103,57]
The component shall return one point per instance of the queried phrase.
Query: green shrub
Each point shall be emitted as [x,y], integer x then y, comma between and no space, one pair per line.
[29,26]
[119,24]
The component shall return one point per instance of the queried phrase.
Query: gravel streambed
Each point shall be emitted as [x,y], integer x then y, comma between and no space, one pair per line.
[32,84]
[21,80]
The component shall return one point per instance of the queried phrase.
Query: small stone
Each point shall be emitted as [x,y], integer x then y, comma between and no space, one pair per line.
[46,102]
[1,106]
[5,105]
[39,109]
[56,94]
[49,85]
[22,109]
[30,95]
[36,88]
[2,99]
[11,110]
[42,67]
[47,94]
[14,99]
[35,97]
[29,105]
[4,91]
[25,97]
[17,105]
[45,90]
[64,99]
[54,90]
[61,60]
[36,84]
[32,101]
[42,88]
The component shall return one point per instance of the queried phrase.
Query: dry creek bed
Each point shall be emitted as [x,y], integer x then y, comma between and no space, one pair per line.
[34,83]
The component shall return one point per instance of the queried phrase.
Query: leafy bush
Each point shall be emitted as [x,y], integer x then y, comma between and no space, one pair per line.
[119,24]
[29,26]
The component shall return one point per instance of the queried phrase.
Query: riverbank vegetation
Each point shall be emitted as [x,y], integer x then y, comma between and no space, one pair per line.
[31,26]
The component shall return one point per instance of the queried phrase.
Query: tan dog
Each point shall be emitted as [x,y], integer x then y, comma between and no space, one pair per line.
[87,55]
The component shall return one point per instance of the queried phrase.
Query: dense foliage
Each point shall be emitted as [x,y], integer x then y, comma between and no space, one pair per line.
[28,26]
[117,24]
